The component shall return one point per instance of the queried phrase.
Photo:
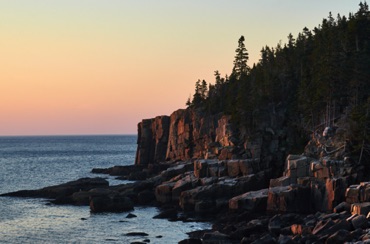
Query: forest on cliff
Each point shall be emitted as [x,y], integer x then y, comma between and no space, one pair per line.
[321,78]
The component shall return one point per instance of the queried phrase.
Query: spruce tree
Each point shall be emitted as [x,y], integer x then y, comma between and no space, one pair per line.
[241,58]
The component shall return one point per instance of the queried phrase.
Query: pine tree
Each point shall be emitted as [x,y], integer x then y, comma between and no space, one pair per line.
[241,58]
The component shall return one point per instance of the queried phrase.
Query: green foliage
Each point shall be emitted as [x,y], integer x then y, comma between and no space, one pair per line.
[317,76]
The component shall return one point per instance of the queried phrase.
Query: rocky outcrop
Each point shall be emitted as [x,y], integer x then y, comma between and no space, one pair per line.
[193,134]
[62,191]
[202,165]
[186,134]
[107,203]
[152,140]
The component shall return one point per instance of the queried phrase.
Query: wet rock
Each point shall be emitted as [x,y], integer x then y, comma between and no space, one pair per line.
[146,197]
[79,198]
[253,227]
[130,216]
[136,234]
[140,175]
[110,204]
[215,237]
[167,214]
[62,190]
[118,170]
[205,206]
[191,241]
[163,192]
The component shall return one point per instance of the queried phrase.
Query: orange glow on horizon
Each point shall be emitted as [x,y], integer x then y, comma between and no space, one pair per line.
[94,67]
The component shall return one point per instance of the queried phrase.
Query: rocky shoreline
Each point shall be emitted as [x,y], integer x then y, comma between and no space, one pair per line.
[195,167]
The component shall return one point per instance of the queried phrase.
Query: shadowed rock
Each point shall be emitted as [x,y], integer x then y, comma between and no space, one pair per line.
[62,190]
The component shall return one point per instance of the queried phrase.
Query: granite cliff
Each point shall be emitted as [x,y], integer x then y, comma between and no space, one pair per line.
[193,134]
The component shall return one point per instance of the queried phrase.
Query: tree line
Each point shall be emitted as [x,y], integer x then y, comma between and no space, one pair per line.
[320,76]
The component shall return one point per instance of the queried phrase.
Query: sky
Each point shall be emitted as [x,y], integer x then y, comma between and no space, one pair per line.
[75,67]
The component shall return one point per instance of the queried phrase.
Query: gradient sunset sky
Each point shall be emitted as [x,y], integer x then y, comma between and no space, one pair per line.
[101,66]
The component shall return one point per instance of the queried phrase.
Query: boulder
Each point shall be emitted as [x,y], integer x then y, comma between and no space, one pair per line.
[186,183]
[359,222]
[297,166]
[360,208]
[118,170]
[282,181]
[255,201]
[352,194]
[233,168]
[215,238]
[248,166]
[115,203]
[225,188]
[191,241]
[343,206]
[294,198]
[176,170]
[83,197]
[146,197]
[163,192]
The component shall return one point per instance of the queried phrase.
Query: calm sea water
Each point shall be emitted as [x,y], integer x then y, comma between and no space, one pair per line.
[36,162]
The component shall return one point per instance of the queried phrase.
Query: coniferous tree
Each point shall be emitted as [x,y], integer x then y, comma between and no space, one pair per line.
[316,76]
[241,59]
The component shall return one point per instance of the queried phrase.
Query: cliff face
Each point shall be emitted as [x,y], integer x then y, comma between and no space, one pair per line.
[184,135]
[152,140]
[192,134]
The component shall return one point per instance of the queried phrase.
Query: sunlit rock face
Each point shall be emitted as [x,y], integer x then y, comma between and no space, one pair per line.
[193,135]
[184,135]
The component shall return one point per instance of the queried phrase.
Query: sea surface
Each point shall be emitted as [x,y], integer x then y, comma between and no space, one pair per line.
[34,162]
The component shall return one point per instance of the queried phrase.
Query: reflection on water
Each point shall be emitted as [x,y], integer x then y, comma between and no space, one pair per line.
[32,221]
[36,162]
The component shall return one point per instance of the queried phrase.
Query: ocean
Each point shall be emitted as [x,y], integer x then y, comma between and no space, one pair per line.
[33,162]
